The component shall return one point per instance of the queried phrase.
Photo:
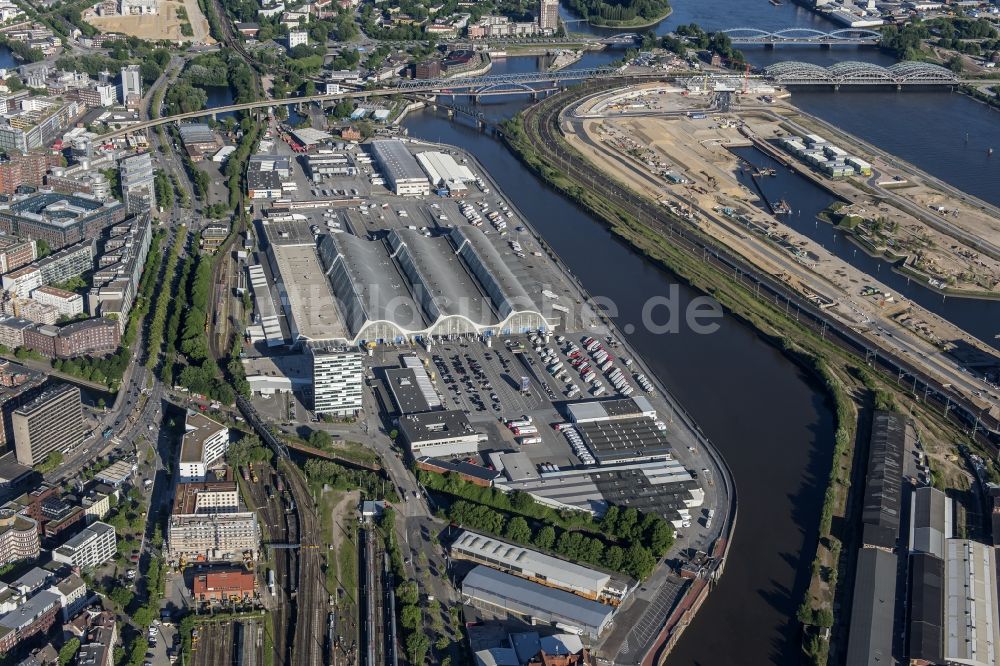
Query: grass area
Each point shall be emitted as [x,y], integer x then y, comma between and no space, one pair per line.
[347,555]
[327,502]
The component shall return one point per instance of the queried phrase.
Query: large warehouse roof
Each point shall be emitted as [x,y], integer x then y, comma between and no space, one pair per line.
[930,521]
[880,512]
[441,168]
[504,591]
[530,563]
[873,610]
[396,159]
[408,284]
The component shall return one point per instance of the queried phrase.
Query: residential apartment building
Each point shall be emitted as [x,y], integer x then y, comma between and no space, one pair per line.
[205,442]
[548,15]
[18,537]
[52,421]
[337,381]
[137,181]
[37,123]
[205,498]
[115,281]
[213,537]
[16,252]
[97,646]
[66,303]
[72,593]
[34,616]
[94,337]
[94,546]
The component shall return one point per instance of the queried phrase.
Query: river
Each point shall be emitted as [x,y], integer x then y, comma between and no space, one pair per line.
[770,421]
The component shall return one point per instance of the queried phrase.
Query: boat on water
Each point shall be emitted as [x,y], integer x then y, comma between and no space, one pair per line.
[782,208]
[765,171]
[776,3]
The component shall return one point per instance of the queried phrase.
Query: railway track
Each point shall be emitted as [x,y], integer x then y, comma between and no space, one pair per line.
[276,524]
[541,123]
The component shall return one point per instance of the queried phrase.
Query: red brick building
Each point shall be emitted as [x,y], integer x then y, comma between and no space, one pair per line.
[92,337]
[28,169]
[229,585]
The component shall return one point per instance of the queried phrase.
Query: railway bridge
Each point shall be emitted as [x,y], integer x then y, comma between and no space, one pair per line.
[803,37]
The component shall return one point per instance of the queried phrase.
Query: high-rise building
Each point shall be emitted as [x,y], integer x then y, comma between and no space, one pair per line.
[215,536]
[337,381]
[131,84]
[53,421]
[548,15]
[138,187]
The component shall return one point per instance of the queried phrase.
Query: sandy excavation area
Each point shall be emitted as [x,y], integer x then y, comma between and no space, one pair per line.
[164,25]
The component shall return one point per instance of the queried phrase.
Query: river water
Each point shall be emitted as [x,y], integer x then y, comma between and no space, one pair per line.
[768,419]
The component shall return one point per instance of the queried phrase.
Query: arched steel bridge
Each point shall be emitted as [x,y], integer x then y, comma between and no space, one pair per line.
[803,37]
[861,74]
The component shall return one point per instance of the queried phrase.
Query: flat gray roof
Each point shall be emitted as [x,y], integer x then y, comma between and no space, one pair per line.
[311,302]
[393,155]
[433,426]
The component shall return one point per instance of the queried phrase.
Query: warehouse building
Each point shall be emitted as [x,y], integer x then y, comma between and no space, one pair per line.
[439,434]
[407,286]
[403,174]
[870,636]
[538,567]
[265,314]
[505,595]
[595,411]
[198,139]
[925,635]
[970,604]
[662,487]
[411,388]
[930,521]
[444,172]
[880,513]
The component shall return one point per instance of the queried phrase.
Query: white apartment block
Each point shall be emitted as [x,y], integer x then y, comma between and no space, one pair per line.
[337,381]
[297,38]
[205,441]
[94,546]
[66,303]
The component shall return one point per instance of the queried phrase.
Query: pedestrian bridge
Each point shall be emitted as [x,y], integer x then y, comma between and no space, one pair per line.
[803,37]
[861,74]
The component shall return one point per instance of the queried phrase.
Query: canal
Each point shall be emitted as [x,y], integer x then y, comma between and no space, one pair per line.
[769,420]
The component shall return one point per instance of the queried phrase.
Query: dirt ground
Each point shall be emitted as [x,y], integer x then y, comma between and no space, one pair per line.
[164,25]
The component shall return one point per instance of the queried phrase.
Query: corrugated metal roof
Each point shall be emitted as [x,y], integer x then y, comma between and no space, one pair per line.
[873,609]
[883,487]
[531,563]
[545,604]
[926,631]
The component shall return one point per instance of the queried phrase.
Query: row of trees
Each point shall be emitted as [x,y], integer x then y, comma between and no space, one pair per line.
[620,11]
[636,560]
[157,324]
[606,542]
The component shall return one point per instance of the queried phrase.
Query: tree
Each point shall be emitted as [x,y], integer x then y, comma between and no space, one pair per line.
[411,617]
[660,537]
[614,557]
[320,439]
[417,645]
[639,562]
[43,248]
[626,523]
[518,530]
[610,520]
[68,651]
[122,597]
[407,593]
[545,537]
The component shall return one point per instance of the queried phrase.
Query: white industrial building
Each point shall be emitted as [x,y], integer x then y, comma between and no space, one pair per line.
[443,171]
[137,7]
[403,174]
[205,441]
[265,314]
[337,381]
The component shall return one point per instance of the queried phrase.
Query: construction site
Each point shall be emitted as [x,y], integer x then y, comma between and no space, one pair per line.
[725,159]
[168,22]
